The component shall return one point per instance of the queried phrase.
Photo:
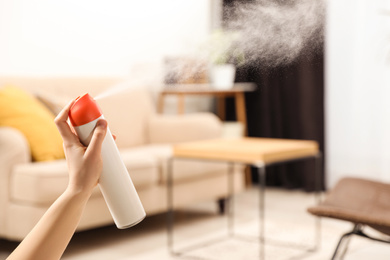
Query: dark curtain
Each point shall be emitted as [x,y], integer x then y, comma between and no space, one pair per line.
[288,103]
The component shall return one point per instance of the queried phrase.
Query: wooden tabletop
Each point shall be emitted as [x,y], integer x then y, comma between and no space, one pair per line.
[248,150]
[206,89]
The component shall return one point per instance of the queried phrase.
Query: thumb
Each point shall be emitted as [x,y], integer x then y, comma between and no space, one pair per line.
[95,146]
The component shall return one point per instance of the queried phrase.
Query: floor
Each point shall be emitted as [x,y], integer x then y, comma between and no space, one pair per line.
[289,232]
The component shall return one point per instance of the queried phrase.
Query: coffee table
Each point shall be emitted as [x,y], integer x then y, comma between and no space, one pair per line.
[256,152]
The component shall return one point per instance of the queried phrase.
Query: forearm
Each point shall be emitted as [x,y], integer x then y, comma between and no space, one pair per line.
[50,237]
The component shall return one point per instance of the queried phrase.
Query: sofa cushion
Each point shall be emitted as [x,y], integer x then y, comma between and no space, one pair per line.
[21,110]
[128,115]
[143,168]
[41,183]
[184,170]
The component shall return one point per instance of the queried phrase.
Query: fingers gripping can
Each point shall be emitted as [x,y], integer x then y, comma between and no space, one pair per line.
[115,182]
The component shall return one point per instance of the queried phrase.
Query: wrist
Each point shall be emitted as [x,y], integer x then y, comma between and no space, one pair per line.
[79,192]
[81,183]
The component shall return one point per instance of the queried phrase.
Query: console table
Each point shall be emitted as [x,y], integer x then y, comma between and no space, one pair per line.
[183,90]
[257,152]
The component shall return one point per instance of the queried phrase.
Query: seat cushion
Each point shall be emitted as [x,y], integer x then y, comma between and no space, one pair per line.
[143,167]
[42,183]
[359,201]
[184,170]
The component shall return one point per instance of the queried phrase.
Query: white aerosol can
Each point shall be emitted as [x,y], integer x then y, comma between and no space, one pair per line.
[115,182]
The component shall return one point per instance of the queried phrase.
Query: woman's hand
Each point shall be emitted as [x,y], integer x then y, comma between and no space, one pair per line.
[52,233]
[84,163]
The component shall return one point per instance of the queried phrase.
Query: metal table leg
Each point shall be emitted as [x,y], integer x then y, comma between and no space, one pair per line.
[170,213]
[261,171]
[230,213]
[318,187]
[262,183]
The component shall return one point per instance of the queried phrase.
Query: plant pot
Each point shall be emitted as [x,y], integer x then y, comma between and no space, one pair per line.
[222,76]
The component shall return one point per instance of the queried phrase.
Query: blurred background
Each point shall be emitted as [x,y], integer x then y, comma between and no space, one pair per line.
[337,93]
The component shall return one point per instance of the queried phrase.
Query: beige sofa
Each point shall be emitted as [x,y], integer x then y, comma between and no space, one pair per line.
[144,138]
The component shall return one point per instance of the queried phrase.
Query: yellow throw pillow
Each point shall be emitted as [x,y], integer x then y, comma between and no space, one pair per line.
[21,110]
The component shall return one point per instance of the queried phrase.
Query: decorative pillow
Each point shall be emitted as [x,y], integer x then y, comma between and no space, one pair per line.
[53,102]
[21,110]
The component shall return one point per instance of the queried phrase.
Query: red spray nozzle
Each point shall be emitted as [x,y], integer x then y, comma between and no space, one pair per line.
[84,110]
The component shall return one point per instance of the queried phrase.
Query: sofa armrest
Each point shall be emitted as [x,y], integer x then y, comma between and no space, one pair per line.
[14,149]
[182,128]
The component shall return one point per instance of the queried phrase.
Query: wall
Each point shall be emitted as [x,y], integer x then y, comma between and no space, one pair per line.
[97,38]
[357,90]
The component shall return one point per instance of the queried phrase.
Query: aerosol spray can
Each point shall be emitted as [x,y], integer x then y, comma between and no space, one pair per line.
[115,182]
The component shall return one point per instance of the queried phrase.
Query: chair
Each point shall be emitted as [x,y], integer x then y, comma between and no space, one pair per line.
[362,202]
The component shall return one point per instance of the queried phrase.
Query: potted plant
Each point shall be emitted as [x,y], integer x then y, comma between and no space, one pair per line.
[224,56]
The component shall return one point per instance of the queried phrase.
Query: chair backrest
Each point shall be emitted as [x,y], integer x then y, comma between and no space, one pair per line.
[128,116]
[64,88]
[127,112]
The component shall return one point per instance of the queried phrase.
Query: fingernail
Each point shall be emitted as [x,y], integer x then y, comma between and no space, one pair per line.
[101,123]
